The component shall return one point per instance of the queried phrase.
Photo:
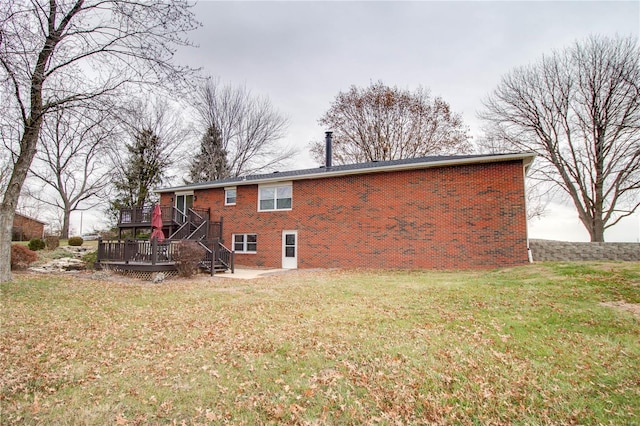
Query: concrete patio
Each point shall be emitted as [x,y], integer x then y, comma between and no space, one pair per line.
[250,274]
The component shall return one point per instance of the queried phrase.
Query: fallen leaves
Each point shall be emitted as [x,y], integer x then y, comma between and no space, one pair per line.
[325,348]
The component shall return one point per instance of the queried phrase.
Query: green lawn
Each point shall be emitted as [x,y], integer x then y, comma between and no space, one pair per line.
[531,345]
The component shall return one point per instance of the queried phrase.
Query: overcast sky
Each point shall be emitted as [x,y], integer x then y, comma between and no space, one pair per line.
[301,54]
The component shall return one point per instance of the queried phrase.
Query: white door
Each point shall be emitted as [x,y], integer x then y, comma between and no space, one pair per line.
[289,249]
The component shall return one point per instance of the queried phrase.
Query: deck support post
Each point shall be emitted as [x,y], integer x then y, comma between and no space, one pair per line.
[128,249]
[154,250]
[213,259]
[215,255]
[100,255]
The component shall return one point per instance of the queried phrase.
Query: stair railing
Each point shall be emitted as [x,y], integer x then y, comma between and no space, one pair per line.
[179,216]
[226,256]
[194,216]
[200,232]
[209,258]
[181,232]
[187,221]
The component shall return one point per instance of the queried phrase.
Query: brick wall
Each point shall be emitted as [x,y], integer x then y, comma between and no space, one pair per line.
[456,217]
[548,250]
[25,228]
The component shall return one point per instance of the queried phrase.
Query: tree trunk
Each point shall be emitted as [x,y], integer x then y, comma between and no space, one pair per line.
[595,227]
[597,230]
[6,225]
[64,232]
[11,196]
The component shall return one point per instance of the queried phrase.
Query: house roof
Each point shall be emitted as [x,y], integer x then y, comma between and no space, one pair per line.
[359,168]
[30,218]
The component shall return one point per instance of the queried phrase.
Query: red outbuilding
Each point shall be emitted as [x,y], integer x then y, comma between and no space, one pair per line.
[26,228]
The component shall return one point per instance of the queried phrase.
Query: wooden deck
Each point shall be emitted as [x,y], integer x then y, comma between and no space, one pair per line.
[134,254]
[153,256]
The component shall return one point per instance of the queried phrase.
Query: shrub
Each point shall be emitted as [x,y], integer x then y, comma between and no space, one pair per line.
[75,241]
[21,257]
[109,235]
[187,256]
[90,259]
[36,244]
[58,253]
[52,242]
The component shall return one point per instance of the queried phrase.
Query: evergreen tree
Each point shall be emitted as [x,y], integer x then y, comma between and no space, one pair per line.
[211,162]
[144,169]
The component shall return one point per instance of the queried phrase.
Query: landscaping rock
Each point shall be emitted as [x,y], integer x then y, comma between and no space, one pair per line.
[77,251]
[60,265]
[158,277]
[101,275]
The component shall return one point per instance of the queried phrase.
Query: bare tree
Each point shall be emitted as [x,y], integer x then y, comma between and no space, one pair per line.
[386,123]
[579,110]
[5,166]
[73,146]
[59,53]
[249,127]
[30,205]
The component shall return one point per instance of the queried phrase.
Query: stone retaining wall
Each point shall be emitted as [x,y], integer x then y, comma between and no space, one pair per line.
[548,250]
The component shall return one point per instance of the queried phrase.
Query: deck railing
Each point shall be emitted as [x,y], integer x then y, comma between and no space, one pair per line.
[142,215]
[153,252]
[215,230]
[137,251]
[194,224]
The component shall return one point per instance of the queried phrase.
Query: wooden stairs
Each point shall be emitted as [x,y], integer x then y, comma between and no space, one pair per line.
[147,255]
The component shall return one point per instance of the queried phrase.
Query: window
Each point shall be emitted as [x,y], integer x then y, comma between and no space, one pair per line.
[245,243]
[230,196]
[277,197]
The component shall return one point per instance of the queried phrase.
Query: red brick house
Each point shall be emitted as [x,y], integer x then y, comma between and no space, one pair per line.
[443,212]
[26,228]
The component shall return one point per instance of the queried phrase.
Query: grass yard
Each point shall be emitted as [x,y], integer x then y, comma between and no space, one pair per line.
[543,344]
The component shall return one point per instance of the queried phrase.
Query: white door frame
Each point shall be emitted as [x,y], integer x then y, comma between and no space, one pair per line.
[185,205]
[289,262]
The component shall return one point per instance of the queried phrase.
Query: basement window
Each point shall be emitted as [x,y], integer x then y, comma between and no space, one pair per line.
[245,243]
[275,197]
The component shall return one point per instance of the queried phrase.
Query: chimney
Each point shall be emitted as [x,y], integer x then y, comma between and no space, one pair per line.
[327,149]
